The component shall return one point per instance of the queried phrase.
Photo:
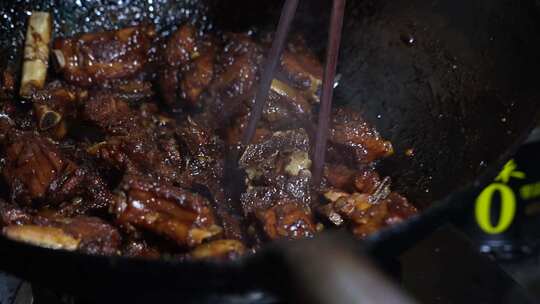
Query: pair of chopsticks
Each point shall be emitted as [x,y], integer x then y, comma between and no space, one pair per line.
[334,38]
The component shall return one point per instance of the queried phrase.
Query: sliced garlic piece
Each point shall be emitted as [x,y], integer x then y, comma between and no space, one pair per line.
[299,160]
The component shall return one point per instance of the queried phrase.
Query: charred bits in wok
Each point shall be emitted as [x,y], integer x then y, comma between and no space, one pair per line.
[99,164]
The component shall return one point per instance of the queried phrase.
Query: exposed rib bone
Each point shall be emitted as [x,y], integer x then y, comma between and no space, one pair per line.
[36,53]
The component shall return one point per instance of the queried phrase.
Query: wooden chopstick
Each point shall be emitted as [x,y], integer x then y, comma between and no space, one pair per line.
[285,20]
[334,39]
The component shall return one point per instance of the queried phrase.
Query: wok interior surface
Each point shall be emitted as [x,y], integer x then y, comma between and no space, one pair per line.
[459,94]
[452,80]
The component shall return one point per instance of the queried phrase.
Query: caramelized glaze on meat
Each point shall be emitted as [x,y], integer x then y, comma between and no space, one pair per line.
[133,147]
[37,171]
[278,184]
[301,69]
[236,76]
[11,214]
[198,76]
[172,212]
[189,66]
[33,164]
[181,46]
[112,114]
[350,133]
[287,220]
[95,235]
[92,58]
[49,229]
[136,140]
[392,210]
[365,212]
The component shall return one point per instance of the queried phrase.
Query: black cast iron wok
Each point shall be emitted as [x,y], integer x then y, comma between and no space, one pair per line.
[455,80]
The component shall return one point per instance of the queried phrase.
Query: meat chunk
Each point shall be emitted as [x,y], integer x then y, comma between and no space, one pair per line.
[55,105]
[37,171]
[205,150]
[338,176]
[13,117]
[189,66]
[278,184]
[111,113]
[205,153]
[137,141]
[231,92]
[86,234]
[366,213]
[197,77]
[286,105]
[238,67]
[234,87]
[235,131]
[11,214]
[34,165]
[264,153]
[301,69]
[236,77]
[206,170]
[277,168]
[351,134]
[7,84]
[137,154]
[51,230]
[367,181]
[93,58]
[287,220]
[84,190]
[95,235]
[394,209]
[342,205]
[181,46]
[133,91]
[140,248]
[177,214]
